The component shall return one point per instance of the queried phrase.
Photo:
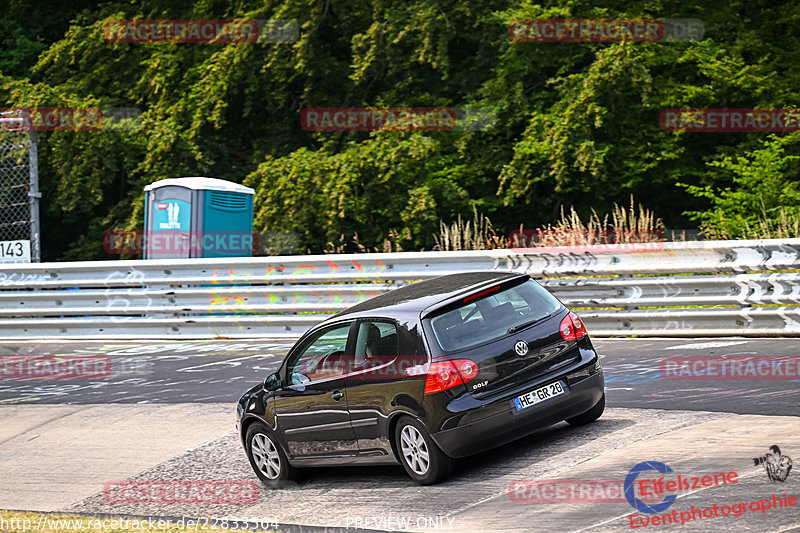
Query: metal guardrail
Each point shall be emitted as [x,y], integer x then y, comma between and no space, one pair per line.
[757,321]
[738,289]
[283,296]
[188,301]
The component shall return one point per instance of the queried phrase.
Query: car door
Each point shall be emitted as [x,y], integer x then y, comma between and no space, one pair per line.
[387,375]
[311,409]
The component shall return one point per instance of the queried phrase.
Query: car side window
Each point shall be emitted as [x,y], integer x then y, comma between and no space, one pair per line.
[324,356]
[376,342]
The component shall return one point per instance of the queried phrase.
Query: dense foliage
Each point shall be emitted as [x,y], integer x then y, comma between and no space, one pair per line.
[577,123]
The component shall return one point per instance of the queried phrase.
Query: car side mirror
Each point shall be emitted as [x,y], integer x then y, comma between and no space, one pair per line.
[272,382]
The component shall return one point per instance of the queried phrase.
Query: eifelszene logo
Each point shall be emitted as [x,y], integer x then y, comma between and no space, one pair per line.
[664,486]
[635,502]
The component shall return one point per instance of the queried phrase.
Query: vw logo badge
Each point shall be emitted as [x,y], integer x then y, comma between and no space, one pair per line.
[521,348]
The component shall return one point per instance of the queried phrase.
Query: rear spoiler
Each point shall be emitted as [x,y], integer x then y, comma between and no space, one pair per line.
[473,293]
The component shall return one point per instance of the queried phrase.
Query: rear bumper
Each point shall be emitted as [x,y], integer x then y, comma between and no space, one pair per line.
[508,425]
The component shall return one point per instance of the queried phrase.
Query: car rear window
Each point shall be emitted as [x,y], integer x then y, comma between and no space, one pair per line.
[490,317]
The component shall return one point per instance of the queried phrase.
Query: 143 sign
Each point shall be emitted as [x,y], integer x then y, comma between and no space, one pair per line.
[15,251]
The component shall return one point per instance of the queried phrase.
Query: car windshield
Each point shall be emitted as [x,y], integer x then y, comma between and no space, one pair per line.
[489,318]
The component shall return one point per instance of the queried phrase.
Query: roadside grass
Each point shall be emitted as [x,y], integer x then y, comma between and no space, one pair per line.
[634,224]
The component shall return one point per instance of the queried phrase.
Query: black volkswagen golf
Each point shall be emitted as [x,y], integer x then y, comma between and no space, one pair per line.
[427,373]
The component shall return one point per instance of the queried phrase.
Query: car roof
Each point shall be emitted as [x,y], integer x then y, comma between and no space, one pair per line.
[417,298]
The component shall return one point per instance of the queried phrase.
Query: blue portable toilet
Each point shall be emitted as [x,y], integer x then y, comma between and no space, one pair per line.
[197,217]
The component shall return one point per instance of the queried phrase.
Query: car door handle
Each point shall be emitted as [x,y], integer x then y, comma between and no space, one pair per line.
[337,395]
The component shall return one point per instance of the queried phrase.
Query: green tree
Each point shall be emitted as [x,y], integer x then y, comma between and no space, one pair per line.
[764,186]
[576,123]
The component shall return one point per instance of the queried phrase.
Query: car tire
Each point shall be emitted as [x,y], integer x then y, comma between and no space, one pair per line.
[267,456]
[591,415]
[421,458]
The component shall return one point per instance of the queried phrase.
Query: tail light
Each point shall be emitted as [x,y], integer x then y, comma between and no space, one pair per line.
[572,327]
[447,374]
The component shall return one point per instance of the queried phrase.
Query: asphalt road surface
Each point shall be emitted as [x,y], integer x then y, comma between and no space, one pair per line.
[162,412]
[220,371]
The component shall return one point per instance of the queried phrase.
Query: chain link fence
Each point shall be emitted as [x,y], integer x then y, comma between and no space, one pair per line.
[19,194]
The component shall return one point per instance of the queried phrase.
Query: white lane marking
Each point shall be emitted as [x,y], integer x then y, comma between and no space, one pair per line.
[227,362]
[703,345]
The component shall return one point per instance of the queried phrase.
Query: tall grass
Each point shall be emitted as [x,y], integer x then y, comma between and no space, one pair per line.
[784,226]
[477,234]
[622,225]
[393,243]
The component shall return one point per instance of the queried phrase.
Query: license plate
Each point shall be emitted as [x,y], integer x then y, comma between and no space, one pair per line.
[539,395]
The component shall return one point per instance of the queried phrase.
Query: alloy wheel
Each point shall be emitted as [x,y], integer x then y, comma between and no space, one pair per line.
[266,456]
[415,450]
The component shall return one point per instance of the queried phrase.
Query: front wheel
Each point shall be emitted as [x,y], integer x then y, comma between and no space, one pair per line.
[422,459]
[591,415]
[266,456]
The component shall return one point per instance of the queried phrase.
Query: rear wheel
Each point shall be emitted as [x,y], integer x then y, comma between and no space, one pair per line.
[266,456]
[591,415]
[422,459]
